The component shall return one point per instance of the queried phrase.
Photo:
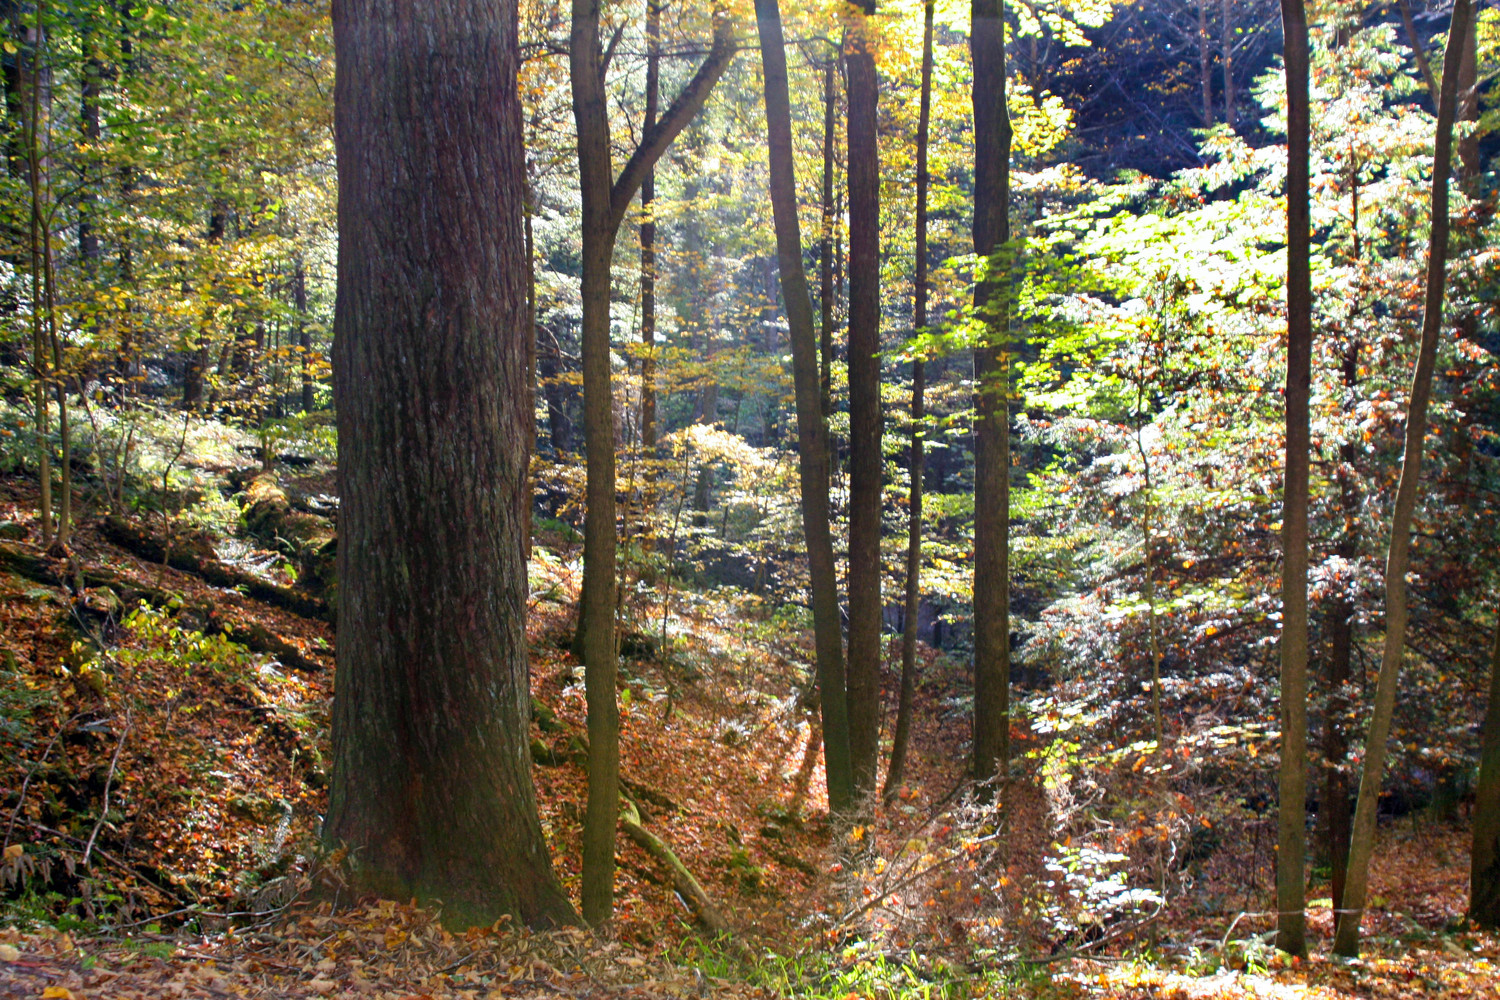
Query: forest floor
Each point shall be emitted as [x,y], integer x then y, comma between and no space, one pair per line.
[163,784]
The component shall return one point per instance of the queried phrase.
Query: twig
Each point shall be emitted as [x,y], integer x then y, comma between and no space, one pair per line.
[108,782]
[123,866]
[46,752]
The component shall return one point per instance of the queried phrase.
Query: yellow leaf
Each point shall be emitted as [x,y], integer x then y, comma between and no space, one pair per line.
[57,993]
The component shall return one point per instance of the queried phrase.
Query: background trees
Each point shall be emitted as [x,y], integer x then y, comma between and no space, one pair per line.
[1063,268]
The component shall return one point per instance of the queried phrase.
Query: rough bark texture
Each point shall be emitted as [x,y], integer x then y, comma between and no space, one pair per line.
[812,432]
[1362,838]
[866,463]
[992,136]
[1484,860]
[902,734]
[1291,886]
[431,787]
[606,199]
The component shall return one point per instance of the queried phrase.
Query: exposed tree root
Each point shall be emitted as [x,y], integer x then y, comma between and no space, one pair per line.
[683,881]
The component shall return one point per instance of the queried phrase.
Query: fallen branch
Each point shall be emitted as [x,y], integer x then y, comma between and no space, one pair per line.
[109,780]
[683,881]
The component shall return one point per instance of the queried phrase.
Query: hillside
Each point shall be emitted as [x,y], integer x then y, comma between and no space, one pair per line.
[165,758]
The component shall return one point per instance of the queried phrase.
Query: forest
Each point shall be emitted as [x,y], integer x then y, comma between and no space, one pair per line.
[834,499]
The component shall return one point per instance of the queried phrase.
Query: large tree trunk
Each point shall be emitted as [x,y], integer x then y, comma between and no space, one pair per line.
[992,137]
[1362,838]
[866,462]
[1291,934]
[1484,860]
[812,432]
[431,786]
[902,733]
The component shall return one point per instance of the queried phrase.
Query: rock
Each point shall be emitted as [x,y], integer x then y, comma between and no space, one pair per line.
[12,531]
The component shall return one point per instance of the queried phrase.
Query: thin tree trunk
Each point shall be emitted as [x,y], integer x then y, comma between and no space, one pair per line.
[1335,799]
[596,618]
[825,247]
[1419,51]
[1291,886]
[1226,57]
[902,735]
[90,86]
[431,787]
[812,431]
[531,366]
[992,138]
[605,201]
[648,239]
[1484,860]
[41,367]
[549,367]
[60,386]
[1468,107]
[1205,66]
[304,332]
[866,462]
[1362,839]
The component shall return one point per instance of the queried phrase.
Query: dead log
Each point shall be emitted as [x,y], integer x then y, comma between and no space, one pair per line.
[77,578]
[142,543]
[274,519]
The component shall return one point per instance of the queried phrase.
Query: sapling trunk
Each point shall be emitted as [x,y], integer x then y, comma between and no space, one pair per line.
[1362,838]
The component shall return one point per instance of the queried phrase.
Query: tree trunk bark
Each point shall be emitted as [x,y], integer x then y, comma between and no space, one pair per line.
[1226,57]
[596,619]
[1291,886]
[992,138]
[1362,838]
[1340,625]
[1468,107]
[1419,52]
[1205,66]
[648,239]
[812,431]
[825,247]
[1484,863]
[902,734]
[431,786]
[866,462]
[34,85]
[304,333]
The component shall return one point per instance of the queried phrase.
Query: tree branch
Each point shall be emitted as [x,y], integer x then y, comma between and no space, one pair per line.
[688,103]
